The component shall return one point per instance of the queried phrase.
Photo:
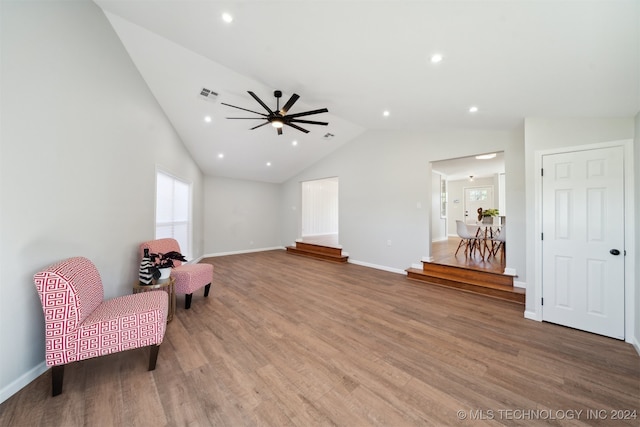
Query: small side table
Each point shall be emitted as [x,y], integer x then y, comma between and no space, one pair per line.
[166,285]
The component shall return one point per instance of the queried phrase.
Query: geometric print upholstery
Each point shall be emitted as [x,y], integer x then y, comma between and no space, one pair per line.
[80,325]
[188,277]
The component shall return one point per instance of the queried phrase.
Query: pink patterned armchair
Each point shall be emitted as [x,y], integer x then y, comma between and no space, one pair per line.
[189,277]
[80,325]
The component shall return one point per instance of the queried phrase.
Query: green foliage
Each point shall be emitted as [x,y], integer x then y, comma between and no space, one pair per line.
[490,212]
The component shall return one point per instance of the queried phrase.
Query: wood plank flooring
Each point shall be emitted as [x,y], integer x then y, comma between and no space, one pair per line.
[443,252]
[291,341]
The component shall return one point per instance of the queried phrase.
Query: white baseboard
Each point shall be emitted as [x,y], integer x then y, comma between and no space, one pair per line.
[245,251]
[517,284]
[427,259]
[22,381]
[636,345]
[378,267]
[418,266]
[531,315]
[510,271]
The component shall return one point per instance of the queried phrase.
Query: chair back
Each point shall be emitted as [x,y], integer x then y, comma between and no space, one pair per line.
[69,291]
[502,235]
[462,230]
[161,246]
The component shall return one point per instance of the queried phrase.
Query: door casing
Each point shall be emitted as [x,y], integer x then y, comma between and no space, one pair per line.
[534,286]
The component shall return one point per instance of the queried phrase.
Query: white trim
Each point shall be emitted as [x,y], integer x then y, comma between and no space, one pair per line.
[517,284]
[427,259]
[379,267]
[508,271]
[245,251]
[629,234]
[418,266]
[532,315]
[635,345]
[22,381]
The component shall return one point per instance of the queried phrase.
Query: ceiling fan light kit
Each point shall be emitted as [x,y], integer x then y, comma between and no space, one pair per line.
[279,117]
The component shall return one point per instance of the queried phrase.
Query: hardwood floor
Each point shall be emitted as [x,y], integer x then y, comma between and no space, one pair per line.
[285,340]
[443,252]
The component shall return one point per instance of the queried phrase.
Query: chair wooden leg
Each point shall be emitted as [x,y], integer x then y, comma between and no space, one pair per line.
[187,301]
[461,243]
[57,375]
[206,290]
[153,356]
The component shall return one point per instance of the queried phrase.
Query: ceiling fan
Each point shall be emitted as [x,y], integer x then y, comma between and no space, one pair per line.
[279,117]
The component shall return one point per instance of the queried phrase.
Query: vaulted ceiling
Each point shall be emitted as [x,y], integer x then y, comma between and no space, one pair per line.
[510,59]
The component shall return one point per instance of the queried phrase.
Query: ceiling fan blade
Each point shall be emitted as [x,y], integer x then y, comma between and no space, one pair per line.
[279,131]
[308,113]
[309,122]
[260,102]
[289,104]
[256,127]
[240,108]
[296,127]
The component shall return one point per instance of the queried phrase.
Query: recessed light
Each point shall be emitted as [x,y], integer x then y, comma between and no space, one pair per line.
[486,156]
[268,163]
[294,143]
[386,113]
[207,119]
[435,58]
[227,17]
[221,156]
[473,109]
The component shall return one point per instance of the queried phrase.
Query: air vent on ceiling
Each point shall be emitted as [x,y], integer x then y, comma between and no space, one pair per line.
[208,95]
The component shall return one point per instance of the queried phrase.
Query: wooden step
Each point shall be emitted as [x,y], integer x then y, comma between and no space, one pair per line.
[311,250]
[476,281]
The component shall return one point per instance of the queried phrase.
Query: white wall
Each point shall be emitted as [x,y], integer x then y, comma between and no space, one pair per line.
[383,176]
[240,215]
[636,162]
[544,134]
[456,192]
[80,140]
[438,224]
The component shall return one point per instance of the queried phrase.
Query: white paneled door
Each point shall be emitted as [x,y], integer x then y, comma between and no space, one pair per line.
[583,240]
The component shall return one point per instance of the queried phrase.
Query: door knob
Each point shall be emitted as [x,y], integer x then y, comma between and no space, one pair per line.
[614,252]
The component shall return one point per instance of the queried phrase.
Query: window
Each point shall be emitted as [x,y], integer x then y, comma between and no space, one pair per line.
[478,195]
[173,211]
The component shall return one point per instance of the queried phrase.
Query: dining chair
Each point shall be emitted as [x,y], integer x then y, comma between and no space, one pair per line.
[80,325]
[188,277]
[469,240]
[498,242]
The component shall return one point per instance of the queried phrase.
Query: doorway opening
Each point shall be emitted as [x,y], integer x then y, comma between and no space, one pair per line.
[319,223]
[462,186]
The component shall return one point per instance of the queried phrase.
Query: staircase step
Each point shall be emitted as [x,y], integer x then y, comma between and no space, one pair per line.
[311,250]
[474,281]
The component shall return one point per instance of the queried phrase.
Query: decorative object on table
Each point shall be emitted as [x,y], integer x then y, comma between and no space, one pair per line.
[189,277]
[80,325]
[145,273]
[162,263]
[488,215]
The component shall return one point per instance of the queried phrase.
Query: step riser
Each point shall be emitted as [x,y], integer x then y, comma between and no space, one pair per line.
[473,277]
[494,293]
[317,255]
[310,247]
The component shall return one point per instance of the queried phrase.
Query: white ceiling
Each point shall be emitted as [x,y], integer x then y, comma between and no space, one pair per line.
[464,167]
[513,59]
